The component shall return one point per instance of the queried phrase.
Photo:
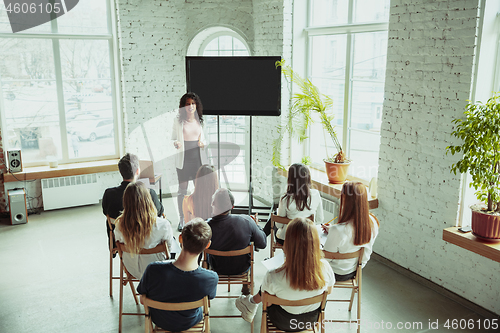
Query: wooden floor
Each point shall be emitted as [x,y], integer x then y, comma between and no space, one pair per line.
[54,278]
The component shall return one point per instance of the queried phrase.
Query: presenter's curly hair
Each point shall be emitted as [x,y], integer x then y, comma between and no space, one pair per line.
[303,267]
[182,104]
[138,216]
[354,209]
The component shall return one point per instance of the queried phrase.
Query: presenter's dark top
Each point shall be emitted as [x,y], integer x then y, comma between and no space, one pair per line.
[233,232]
[164,282]
[112,200]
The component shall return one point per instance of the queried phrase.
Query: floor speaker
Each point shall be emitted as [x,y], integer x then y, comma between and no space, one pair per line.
[14,159]
[17,206]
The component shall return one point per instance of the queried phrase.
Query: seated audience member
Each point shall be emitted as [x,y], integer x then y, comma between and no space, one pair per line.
[303,274]
[112,199]
[198,204]
[356,229]
[232,232]
[300,200]
[138,228]
[181,280]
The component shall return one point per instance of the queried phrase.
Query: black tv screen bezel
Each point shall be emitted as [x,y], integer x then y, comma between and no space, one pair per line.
[240,111]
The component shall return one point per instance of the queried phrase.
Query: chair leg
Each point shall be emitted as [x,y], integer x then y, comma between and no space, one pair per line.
[352,298]
[133,292]
[359,308]
[110,273]
[121,299]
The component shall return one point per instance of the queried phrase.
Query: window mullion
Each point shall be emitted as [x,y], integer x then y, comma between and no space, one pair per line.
[60,99]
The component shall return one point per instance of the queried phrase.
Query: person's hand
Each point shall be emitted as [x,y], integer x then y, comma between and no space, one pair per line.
[200,143]
[177,144]
[326,227]
[255,218]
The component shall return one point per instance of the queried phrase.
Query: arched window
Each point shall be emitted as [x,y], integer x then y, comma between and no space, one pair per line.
[218,41]
[222,41]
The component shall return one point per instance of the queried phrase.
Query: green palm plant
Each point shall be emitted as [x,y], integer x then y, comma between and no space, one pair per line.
[304,103]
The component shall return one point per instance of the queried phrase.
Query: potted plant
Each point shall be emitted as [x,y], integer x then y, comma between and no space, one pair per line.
[304,103]
[480,133]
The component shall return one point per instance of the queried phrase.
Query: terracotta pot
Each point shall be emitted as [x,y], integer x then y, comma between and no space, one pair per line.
[485,226]
[337,172]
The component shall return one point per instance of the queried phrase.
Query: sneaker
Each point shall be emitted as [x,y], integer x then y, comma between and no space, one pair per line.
[247,308]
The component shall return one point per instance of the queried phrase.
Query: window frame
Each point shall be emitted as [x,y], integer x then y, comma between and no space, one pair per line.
[348,29]
[114,65]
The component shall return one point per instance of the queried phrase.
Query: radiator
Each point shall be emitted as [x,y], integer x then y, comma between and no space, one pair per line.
[330,210]
[70,191]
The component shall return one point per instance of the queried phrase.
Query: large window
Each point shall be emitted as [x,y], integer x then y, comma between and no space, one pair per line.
[346,59]
[57,88]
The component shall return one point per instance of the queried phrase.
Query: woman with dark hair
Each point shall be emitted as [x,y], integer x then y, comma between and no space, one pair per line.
[139,227]
[304,274]
[300,200]
[199,204]
[356,228]
[189,140]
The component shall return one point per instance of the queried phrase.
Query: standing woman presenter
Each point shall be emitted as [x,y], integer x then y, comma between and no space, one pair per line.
[189,140]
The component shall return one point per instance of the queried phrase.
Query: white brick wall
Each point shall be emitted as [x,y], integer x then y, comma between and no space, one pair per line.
[273,37]
[428,79]
[154,37]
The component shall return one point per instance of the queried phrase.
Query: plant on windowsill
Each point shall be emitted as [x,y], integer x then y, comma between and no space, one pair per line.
[304,103]
[480,132]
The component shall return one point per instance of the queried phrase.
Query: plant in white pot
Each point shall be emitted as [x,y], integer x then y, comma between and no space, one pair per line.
[304,103]
[480,133]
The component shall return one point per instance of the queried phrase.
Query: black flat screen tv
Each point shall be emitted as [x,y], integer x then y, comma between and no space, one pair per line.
[242,86]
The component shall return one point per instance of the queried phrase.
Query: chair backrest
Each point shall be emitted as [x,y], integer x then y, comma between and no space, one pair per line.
[233,253]
[149,303]
[162,247]
[284,220]
[175,306]
[339,256]
[111,222]
[272,299]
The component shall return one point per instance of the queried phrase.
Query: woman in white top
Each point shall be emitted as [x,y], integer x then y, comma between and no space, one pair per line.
[356,228]
[300,200]
[304,274]
[138,227]
[189,140]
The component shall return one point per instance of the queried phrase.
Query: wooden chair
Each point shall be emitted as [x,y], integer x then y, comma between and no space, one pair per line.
[354,284]
[268,326]
[127,278]
[112,251]
[241,279]
[203,326]
[282,220]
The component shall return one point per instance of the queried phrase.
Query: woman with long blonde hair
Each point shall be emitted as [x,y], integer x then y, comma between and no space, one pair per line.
[139,227]
[199,204]
[304,274]
[355,229]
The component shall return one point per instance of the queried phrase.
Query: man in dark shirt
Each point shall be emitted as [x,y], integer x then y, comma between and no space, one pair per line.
[232,232]
[181,280]
[112,200]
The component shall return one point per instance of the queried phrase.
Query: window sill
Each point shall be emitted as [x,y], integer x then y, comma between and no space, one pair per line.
[63,170]
[320,182]
[469,242]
